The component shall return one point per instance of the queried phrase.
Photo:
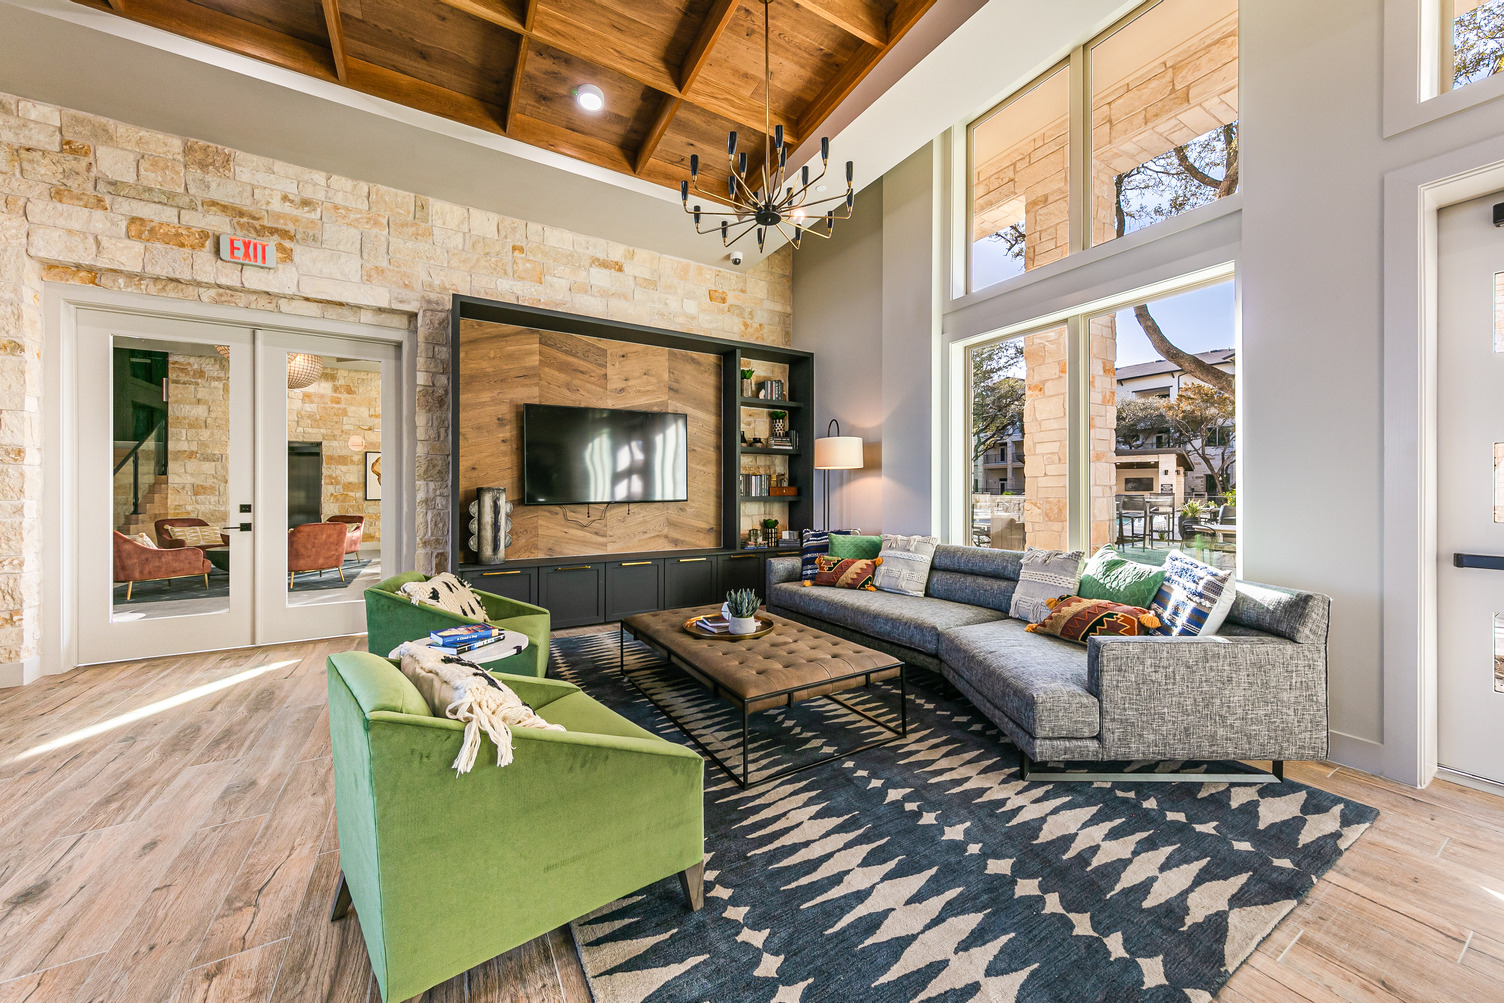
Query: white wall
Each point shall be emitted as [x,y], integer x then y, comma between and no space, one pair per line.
[1307,242]
[1312,299]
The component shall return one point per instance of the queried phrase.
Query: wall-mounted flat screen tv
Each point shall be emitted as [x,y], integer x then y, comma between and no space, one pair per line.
[596,455]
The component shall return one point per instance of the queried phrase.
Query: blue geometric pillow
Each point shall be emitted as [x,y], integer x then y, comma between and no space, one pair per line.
[1194,599]
[816,543]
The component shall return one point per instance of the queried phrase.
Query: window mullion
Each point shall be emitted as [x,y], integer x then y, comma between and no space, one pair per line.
[1079,154]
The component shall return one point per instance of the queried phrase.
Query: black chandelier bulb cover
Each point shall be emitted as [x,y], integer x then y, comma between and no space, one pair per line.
[769,200]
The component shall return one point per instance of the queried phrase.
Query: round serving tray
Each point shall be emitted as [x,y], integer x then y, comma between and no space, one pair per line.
[693,628]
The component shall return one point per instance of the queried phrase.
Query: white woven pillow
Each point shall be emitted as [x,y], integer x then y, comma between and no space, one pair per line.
[905,566]
[196,536]
[146,541]
[458,688]
[448,593]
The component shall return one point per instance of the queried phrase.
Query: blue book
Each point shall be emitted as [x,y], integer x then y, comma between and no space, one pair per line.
[466,637]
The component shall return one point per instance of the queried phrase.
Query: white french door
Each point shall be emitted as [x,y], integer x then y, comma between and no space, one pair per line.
[1470,490]
[164,432]
[230,483]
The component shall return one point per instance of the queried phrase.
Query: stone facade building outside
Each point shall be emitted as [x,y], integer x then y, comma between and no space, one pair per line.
[86,199]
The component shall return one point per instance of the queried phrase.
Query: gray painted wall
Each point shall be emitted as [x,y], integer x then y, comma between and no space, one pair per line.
[838,315]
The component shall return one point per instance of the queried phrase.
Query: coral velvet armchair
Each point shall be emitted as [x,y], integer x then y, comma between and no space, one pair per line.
[449,871]
[392,619]
[135,562]
[356,528]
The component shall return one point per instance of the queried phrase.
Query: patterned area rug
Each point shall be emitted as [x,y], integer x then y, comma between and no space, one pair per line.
[925,870]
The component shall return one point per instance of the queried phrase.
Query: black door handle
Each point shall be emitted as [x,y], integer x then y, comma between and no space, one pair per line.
[1486,561]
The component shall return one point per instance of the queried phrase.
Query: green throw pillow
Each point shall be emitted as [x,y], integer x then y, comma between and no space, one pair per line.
[859,548]
[1109,575]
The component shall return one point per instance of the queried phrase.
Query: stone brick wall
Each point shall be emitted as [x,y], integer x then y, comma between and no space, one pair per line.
[105,203]
[20,441]
[344,402]
[198,439]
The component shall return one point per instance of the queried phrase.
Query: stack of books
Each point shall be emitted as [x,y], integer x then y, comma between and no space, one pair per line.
[756,485]
[771,390]
[715,624]
[467,638]
[784,441]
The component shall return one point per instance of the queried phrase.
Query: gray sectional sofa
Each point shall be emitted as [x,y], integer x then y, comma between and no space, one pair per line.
[1257,690]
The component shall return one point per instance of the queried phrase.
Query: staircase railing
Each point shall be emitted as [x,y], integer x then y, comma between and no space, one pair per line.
[157,436]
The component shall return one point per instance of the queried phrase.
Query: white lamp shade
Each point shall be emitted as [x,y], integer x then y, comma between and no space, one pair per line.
[838,452]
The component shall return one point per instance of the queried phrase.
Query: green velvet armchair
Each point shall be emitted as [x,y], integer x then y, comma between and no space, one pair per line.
[392,619]
[449,871]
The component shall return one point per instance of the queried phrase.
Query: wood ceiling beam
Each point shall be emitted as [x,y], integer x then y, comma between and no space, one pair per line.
[711,29]
[516,91]
[336,39]
[855,17]
[592,46]
[903,17]
[655,133]
[118,6]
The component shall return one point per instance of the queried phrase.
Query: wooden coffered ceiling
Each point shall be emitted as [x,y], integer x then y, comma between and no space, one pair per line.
[676,76]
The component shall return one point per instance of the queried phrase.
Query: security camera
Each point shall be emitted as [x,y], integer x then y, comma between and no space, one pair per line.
[736,257]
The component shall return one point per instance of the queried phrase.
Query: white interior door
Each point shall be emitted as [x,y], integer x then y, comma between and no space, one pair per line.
[1470,489]
[163,431]
[326,408]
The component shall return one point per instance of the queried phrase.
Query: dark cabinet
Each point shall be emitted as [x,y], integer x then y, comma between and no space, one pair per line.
[739,571]
[689,581]
[519,584]
[572,593]
[632,587]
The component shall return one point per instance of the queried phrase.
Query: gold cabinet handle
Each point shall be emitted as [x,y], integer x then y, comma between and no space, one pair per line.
[493,574]
[741,557]
[691,560]
[634,564]
[577,567]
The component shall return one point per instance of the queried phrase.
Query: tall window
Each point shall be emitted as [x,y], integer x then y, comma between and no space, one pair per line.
[1160,121]
[1473,41]
[1159,470]
[1164,470]
[1018,441]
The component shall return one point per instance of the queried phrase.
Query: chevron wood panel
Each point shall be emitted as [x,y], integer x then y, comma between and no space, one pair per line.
[503,367]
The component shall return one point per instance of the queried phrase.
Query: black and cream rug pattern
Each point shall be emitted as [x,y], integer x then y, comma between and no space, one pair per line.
[926,870]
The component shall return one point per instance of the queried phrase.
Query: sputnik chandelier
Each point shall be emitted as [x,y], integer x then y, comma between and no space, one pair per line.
[774,203]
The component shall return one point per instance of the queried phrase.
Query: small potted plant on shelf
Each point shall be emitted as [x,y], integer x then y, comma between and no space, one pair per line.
[749,386]
[769,530]
[741,605]
[780,421]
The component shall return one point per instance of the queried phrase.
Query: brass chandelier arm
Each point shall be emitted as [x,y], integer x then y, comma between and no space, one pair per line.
[718,199]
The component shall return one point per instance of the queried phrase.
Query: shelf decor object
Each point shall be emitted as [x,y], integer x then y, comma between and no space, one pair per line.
[836,452]
[776,201]
[490,525]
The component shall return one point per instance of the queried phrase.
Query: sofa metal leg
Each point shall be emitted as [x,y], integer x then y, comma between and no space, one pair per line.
[693,883]
[128,587]
[341,900]
[1028,770]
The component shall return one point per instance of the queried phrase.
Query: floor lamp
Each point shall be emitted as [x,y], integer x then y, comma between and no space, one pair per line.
[836,452]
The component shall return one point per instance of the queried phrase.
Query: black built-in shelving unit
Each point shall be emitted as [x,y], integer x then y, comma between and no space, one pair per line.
[591,588]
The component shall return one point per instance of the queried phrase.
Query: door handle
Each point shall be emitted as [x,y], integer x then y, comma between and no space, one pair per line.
[1485,561]
[244,527]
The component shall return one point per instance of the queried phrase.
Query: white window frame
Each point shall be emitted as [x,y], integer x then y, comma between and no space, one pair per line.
[956,524]
[1078,174]
[1414,93]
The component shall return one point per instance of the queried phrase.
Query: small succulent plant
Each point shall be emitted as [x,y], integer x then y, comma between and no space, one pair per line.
[742,603]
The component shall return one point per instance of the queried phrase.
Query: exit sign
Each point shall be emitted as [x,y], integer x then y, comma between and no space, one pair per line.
[245,251]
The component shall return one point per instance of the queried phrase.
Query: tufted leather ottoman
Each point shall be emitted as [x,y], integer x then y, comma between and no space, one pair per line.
[794,662]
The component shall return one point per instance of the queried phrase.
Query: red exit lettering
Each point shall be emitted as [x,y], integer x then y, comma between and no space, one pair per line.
[247,251]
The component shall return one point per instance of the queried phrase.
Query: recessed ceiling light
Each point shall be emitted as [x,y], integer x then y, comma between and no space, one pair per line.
[590,97]
[819,188]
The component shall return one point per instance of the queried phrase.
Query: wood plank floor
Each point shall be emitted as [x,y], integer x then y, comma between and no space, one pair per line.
[167,834]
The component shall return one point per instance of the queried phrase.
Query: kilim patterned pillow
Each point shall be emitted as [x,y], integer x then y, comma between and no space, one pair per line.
[815,543]
[1075,619]
[196,536]
[1194,598]
[448,593]
[1045,574]
[850,573]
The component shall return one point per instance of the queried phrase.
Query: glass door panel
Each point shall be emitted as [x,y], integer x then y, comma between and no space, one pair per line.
[163,444]
[321,413]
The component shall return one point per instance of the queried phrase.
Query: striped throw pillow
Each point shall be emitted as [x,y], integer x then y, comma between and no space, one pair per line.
[1194,598]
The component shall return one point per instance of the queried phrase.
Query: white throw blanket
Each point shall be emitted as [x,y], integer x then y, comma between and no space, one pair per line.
[464,691]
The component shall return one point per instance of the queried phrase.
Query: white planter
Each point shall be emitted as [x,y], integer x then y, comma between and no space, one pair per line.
[743,624]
